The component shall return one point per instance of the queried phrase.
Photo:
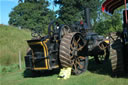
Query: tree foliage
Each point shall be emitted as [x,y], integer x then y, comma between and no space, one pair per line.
[32,14]
[106,23]
[73,10]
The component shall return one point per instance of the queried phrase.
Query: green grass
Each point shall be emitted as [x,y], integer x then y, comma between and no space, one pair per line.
[12,40]
[96,75]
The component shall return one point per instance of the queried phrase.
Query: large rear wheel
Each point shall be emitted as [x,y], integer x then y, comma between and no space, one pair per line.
[116,55]
[72,53]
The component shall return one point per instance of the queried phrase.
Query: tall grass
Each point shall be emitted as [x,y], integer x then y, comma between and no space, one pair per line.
[12,40]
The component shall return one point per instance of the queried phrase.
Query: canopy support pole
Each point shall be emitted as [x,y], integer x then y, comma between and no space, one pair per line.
[126,11]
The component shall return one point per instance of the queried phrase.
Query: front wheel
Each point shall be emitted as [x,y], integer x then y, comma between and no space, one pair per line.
[105,52]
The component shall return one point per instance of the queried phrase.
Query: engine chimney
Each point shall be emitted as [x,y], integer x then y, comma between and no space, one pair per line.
[87,15]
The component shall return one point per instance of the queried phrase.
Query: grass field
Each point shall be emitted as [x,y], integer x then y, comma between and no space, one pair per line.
[96,75]
[12,40]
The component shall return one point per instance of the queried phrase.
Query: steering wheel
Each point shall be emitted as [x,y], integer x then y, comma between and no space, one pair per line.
[35,34]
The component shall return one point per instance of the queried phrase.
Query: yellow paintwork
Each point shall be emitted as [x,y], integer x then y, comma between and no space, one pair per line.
[107,41]
[33,43]
[45,53]
[43,44]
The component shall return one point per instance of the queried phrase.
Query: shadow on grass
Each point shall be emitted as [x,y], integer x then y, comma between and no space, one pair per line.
[34,74]
[103,69]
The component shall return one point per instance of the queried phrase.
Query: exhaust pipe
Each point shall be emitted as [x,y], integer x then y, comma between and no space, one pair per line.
[87,15]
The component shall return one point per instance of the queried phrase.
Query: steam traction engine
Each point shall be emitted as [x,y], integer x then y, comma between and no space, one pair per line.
[65,46]
[118,41]
[60,48]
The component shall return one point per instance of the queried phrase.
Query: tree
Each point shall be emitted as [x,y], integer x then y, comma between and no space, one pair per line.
[106,23]
[73,10]
[32,14]
[68,12]
[109,24]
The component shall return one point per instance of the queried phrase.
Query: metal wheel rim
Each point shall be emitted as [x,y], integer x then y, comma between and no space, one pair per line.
[77,61]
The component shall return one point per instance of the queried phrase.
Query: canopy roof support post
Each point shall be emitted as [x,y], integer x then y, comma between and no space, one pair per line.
[126,11]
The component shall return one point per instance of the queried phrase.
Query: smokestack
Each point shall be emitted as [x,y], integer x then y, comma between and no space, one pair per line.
[87,14]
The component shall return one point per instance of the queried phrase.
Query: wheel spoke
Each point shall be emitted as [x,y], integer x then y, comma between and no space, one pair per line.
[102,47]
[80,47]
[105,52]
[78,40]
[78,63]
[74,42]
[71,57]
[75,68]
[82,57]
[72,47]
[72,62]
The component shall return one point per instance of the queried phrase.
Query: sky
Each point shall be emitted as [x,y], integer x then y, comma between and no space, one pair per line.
[6,6]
